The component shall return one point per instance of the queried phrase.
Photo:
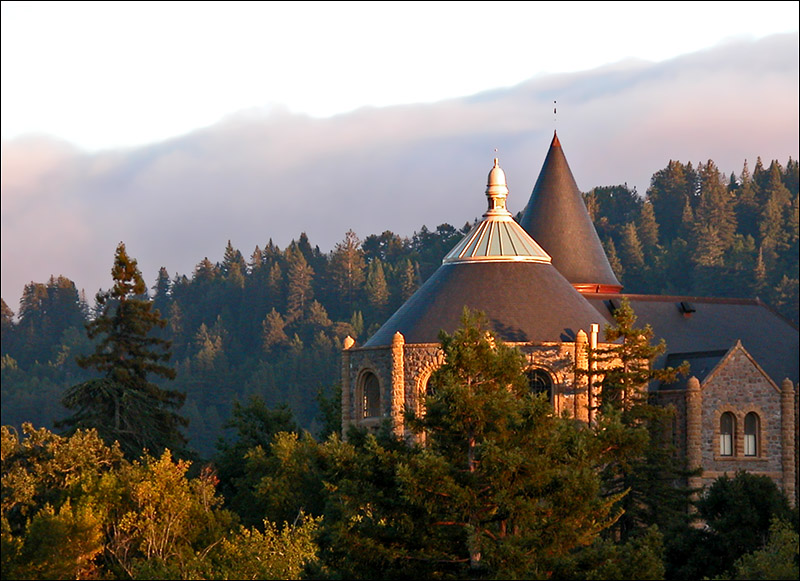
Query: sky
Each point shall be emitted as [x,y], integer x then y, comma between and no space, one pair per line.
[119,74]
[176,127]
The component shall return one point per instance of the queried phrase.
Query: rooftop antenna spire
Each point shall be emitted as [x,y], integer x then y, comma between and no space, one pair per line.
[555,117]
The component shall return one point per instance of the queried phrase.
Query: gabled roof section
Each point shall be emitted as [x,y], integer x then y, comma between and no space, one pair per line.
[557,218]
[497,238]
[738,348]
[713,324]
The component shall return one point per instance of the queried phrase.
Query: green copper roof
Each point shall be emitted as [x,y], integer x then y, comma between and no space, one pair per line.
[497,238]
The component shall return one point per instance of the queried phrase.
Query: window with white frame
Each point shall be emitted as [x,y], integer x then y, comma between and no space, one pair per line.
[751,427]
[727,431]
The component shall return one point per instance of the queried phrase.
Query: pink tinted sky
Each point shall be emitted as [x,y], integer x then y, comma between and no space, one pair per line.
[176,127]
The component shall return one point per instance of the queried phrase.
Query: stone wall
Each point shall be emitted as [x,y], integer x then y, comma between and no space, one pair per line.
[403,371]
[740,387]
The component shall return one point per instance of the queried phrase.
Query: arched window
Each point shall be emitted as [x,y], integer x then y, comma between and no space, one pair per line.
[751,426]
[540,381]
[727,429]
[370,395]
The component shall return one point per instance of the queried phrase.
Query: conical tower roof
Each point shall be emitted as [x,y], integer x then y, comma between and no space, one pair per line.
[557,218]
[499,269]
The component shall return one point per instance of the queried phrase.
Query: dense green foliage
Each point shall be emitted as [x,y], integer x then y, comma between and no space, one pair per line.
[698,232]
[498,487]
[74,508]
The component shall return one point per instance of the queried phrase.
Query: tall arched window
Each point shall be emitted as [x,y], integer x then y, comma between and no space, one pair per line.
[540,381]
[727,429]
[370,395]
[751,427]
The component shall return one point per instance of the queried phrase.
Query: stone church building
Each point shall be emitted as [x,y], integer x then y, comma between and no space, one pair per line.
[546,286]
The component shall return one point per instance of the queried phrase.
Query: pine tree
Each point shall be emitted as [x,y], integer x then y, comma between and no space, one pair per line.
[232,258]
[300,292]
[206,271]
[509,487]
[376,287]
[632,255]
[409,280]
[670,190]
[347,268]
[746,205]
[124,405]
[317,317]
[641,461]
[162,291]
[613,258]
[647,228]
[273,333]
[715,205]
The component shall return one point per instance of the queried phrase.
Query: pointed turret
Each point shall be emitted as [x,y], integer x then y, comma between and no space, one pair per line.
[556,217]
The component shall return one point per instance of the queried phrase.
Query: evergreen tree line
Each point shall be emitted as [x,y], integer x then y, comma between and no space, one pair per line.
[699,232]
[271,325]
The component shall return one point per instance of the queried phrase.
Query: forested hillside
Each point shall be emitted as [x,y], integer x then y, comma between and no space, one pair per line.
[270,323]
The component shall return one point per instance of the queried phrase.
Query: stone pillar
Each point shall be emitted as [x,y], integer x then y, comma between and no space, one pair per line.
[397,394]
[590,388]
[788,427]
[694,430]
[580,400]
[347,408]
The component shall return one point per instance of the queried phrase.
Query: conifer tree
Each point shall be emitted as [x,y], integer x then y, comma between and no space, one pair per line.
[647,228]
[641,461]
[300,292]
[409,279]
[232,258]
[509,487]
[746,204]
[124,404]
[162,290]
[670,189]
[206,271]
[317,317]
[715,204]
[376,287]
[347,268]
[613,258]
[632,256]
[273,333]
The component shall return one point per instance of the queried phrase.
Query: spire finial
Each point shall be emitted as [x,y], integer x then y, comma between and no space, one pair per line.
[496,188]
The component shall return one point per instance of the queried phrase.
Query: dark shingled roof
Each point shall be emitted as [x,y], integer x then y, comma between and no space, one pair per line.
[556,217]
[524,301]
[715,324]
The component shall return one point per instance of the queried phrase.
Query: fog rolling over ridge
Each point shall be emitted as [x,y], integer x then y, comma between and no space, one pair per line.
[256,176]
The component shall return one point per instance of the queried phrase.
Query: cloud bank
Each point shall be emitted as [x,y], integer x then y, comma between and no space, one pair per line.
[257,176]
